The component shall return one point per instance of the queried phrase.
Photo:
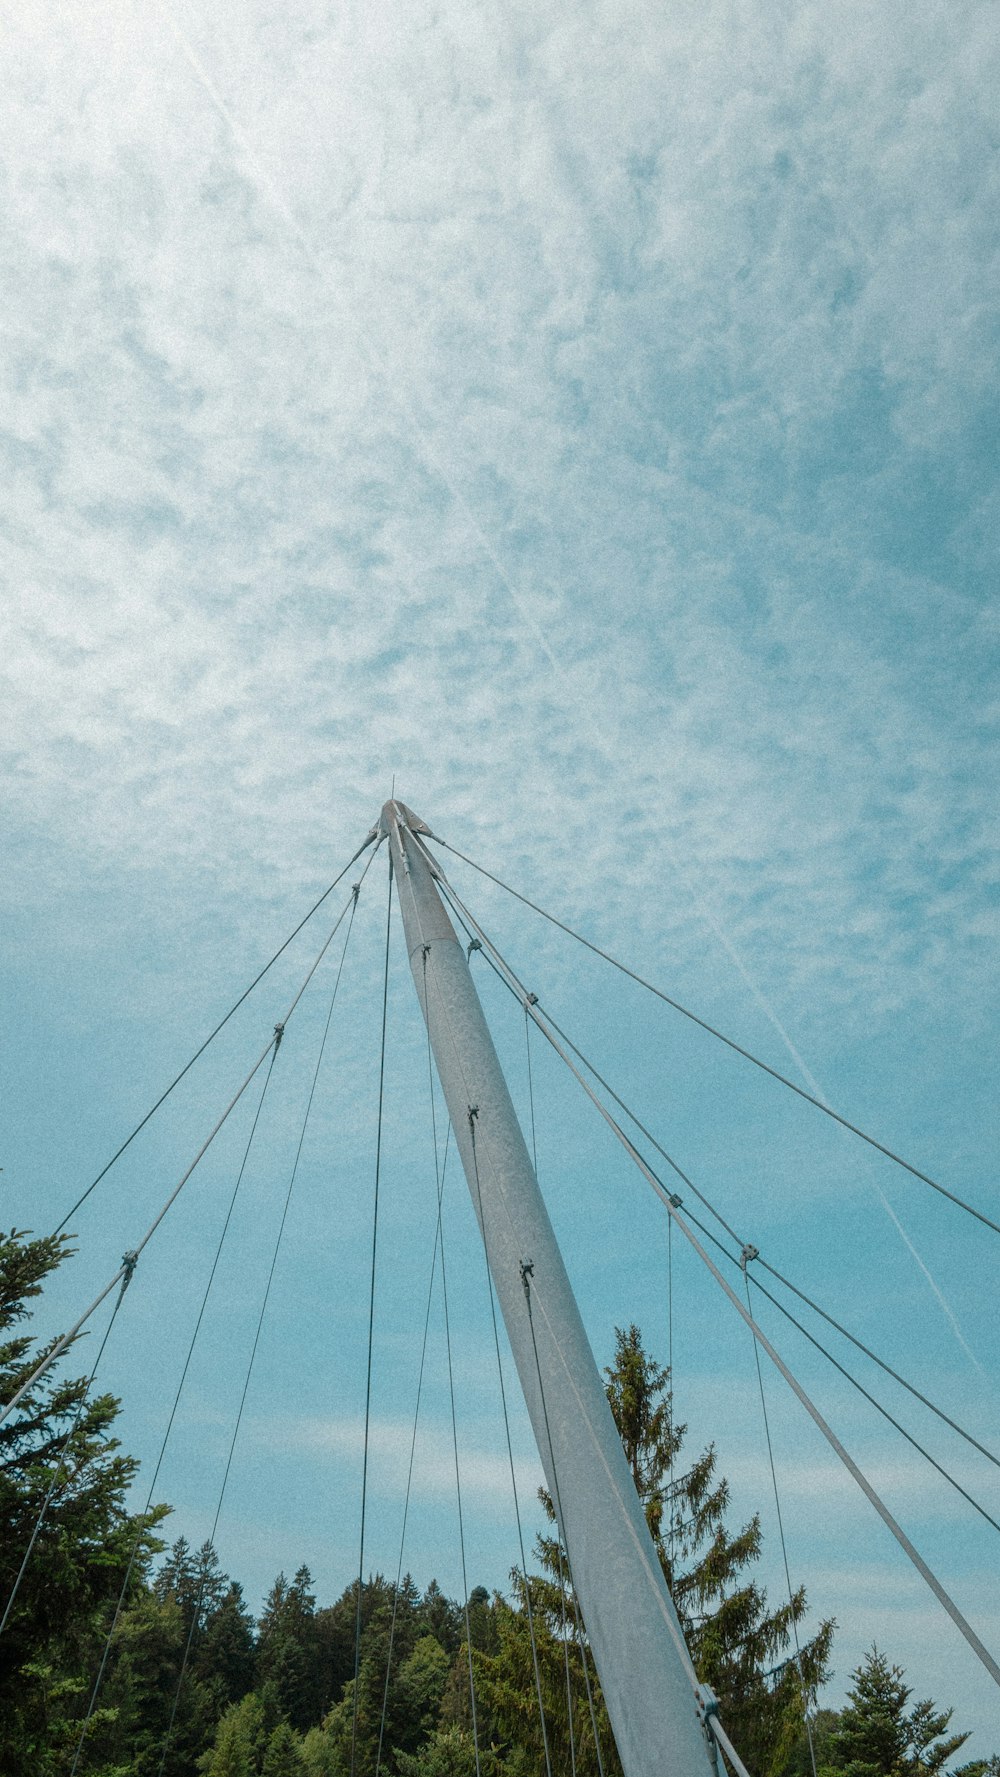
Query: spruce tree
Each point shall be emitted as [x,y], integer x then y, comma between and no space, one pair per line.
[740,1647]
[64,1480]
[877,1736]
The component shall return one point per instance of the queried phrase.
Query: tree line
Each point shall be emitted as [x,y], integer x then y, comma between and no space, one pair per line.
[120,1658]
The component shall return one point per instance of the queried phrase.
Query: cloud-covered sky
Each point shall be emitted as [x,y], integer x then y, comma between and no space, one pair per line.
[588,416]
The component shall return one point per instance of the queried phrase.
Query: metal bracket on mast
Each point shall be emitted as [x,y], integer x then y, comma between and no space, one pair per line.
[647,1677]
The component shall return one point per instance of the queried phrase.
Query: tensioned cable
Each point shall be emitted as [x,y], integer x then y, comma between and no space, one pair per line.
[859,1386]
[866,1349]
[510,1452]
[531,1091]
[187,1363]
[46,1502]
[528,1601]
[458,1496]
[943,1597]
[260,1323]
[669,1199]
[213,1034]
[130,1258]
[534,1163]
[688,1181]
[676,1202]
[516,988]
[562,1592]
[670,1368]
[795,1322]
[582,1642]
[730,1042]
[531,1003]
[570,1722]
[807,1723]
[137,1539]
[440,1177]
[201,1590]
[562,1542]
[371,1327]
[848,1377]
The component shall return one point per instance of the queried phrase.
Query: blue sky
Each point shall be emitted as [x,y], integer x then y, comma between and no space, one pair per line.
[587,415]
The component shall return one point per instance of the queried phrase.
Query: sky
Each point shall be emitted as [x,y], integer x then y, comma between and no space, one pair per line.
[585,419]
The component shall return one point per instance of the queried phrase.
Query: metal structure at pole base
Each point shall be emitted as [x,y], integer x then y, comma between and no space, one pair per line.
[647,1678]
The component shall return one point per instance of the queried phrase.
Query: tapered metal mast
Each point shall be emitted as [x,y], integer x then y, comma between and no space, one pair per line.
[646,1674]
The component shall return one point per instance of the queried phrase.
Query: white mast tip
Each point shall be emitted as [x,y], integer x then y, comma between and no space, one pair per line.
[395,814]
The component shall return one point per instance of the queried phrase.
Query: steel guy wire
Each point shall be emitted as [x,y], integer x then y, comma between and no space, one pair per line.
[351,907]
[213,1034]
[781,1530]
[267,1294]
[721,1037]
[137,1539]
[510,1453]
[458,1496]
[201,1590]
[413,1447]
[371,1325]
[945,1600]
[129,1259]
[54,1482]
[543,1018]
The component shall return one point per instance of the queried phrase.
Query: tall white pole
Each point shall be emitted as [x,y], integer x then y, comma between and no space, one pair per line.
[645,1670]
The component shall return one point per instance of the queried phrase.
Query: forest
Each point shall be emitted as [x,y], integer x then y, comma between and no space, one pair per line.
[123,1655]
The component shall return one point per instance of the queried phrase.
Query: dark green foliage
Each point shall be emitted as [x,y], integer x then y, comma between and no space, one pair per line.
[508,1694]
[450,1752]
[243,1736]
[86,1539]
[225,1652]
[282,1757]
[193,1688]
[290,1651]
[147,1712]
[877,1736]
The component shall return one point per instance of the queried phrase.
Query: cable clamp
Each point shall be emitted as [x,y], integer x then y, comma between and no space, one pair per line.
[279,1031]
[749,1252]
[356,890]
[473,944]
[130,1261]
[707,1703]
[531,999]
[674,1201]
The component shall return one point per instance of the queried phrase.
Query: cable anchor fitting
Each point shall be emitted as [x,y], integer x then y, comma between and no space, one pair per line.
[527,1270]
[473,944]
[279,1031]
[356,890]
[473,1114]
[707,1702]
[130,1261]
[749,1252]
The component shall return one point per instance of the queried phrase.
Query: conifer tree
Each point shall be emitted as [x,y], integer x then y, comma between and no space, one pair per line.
[876,1736]
[289,1649]
[64,1480]
[740,1647]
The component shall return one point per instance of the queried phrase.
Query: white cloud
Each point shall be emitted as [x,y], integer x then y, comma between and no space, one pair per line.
[693,310]
[484,1472]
